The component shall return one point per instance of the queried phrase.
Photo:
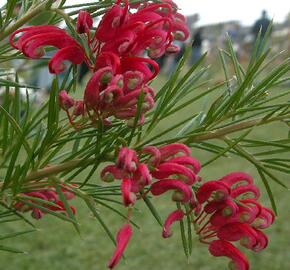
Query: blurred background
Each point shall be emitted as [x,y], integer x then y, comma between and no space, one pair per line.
[57,246]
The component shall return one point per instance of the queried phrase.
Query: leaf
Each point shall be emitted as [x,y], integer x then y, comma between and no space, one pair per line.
[255,162]
[190,125]
[17,102]
[9,10]
[11,235]
[152,209]
[8,179]
[100,220]
[137,116]
[189,229]
[165,92]
[67,206]
[234,60]
[14,212]
[231,146]
[10,249]
[269,191]
[45,209]
[183,235]
[225,69]
[17,129]
[53,109]
[9,83]
[99,201]
[4,121]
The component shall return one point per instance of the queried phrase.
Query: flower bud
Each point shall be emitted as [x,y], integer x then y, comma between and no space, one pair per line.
[79,108]
[36,213]
[65,101]
[84,22]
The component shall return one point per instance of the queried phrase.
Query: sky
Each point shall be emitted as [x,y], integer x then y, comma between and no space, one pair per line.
[245,11]
[214,11]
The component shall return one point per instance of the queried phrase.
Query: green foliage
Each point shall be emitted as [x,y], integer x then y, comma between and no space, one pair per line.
[32,138]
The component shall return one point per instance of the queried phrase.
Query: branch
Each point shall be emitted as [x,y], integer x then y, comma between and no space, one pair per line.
[23,20]
[219,133]
[53,170]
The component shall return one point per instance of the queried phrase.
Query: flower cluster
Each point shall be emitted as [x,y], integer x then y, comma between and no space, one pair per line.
[120,54]
[47,194]
[230,212]
[171,166]
[156,170]
[117,47]
[222,211]
[34,38]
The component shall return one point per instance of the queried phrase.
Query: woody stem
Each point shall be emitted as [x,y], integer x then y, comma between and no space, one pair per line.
[219,133]
[66,166]
[24,19]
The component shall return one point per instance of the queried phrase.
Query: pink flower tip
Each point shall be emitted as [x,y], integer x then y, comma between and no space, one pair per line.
[65,101]
[84,22]
[176,215]
[123,237]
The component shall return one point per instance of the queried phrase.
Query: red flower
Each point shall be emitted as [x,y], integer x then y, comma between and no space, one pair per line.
[129,197]
[219,248]
[111,172]
[34,38]
[187,161]
[73,53]
[247,189]
[127,160]
[120,74]
[247,212]
[79,108]
[141,178]
[36,213]
[176,215]
[220,189]
[264,219]
[183,192]
[237,177]
[155,155]
[170,150]
[123,237]
[111,22]
[262,241]
[238,231]
[228,216]
[65,101]
[167,169]
[84,22]
[50,195]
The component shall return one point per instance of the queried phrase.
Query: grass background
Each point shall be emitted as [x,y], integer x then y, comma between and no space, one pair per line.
[57,246]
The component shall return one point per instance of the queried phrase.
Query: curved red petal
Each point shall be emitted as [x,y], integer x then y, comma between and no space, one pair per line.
[123,237]
[176,215]
[220,248]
